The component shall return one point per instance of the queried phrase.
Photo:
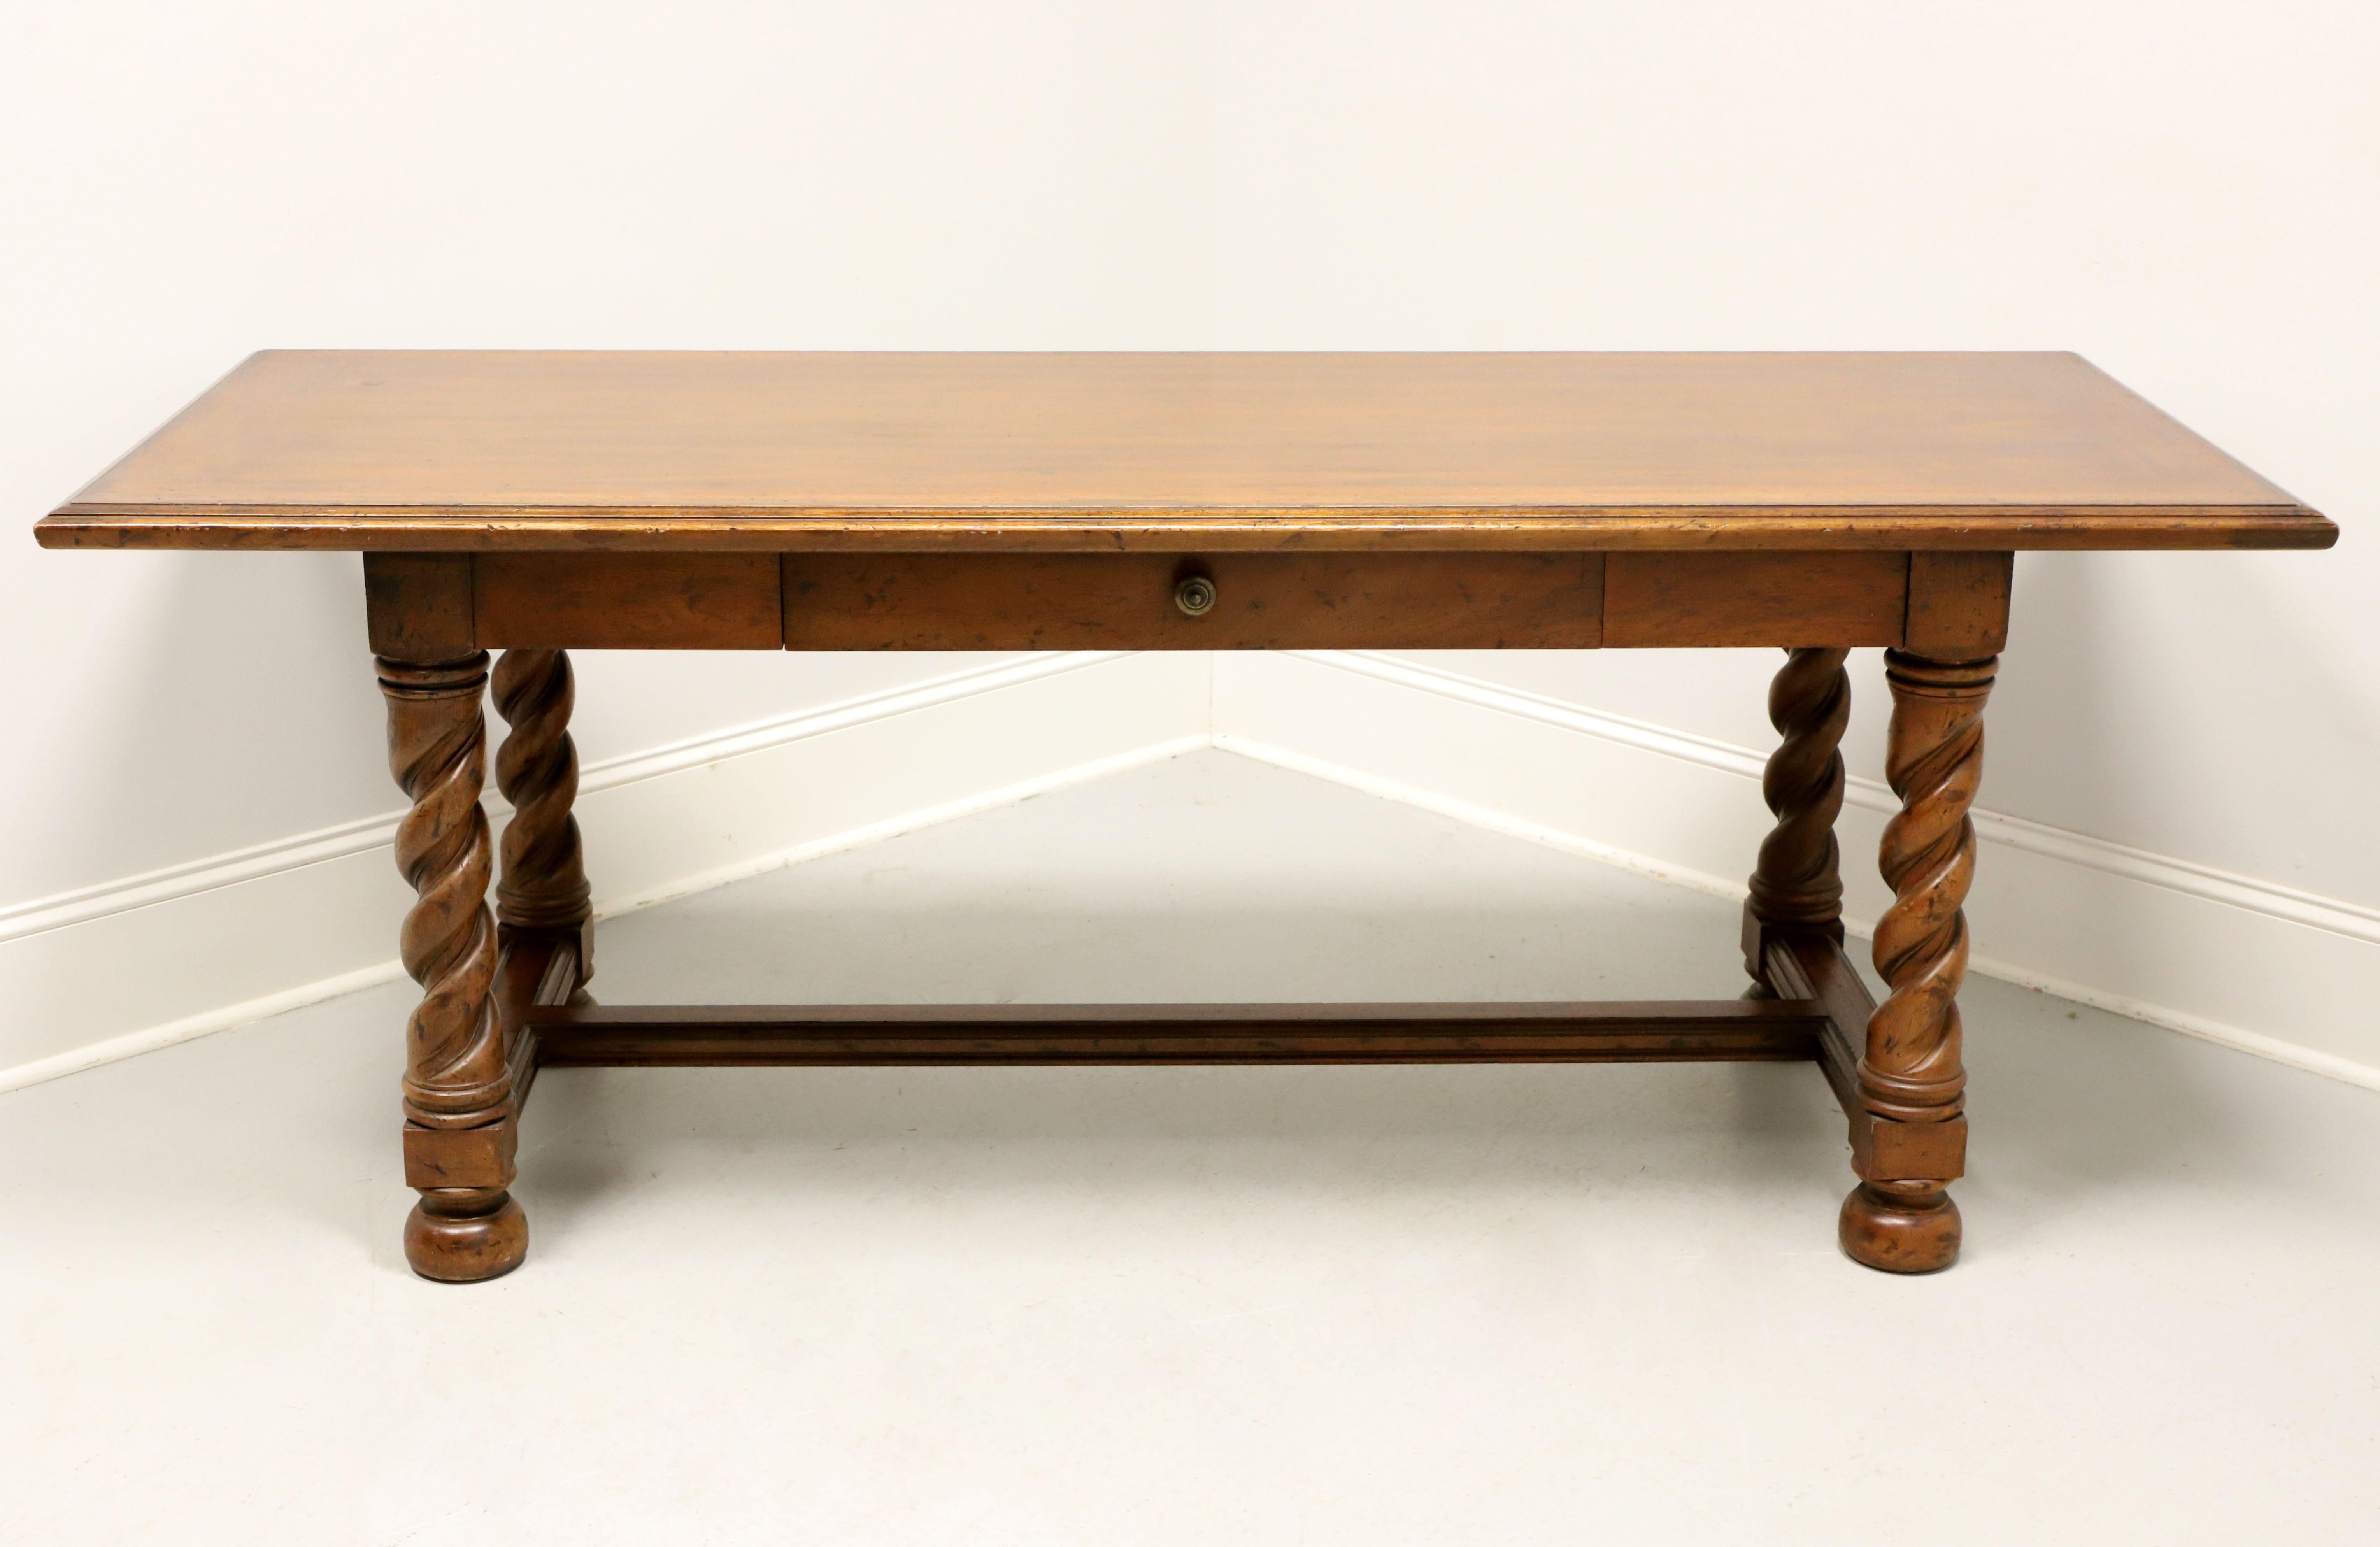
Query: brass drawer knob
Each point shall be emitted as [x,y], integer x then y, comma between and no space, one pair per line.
[1194,595]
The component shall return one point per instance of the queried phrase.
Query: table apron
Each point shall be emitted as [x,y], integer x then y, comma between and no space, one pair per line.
[436,605]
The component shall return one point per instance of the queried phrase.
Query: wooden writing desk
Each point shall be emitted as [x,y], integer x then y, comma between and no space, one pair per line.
[533,502]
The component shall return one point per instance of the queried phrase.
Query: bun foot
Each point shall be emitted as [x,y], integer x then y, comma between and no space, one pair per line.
[466,1235]
[1896,1233]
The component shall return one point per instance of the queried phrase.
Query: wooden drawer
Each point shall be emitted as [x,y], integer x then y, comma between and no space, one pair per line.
[1127,601]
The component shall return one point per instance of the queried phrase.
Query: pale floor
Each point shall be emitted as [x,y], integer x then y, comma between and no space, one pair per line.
[1475,1303]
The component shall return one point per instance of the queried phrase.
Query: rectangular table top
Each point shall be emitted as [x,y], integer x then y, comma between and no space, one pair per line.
[480,451]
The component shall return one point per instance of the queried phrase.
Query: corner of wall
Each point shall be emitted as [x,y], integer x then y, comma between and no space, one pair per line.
[2248,963]
[240,936]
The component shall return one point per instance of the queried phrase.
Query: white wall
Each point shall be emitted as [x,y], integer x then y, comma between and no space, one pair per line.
[2188,195]
[185,184]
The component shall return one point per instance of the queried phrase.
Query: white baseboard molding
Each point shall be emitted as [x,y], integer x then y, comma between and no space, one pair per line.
[111,971]
[2260,967]
[115,970]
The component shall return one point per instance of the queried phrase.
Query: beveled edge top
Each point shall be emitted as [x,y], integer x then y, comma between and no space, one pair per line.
[1614,528]
[451,424]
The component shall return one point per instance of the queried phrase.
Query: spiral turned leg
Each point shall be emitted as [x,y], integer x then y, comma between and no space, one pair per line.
[1910,1071]
[1798,881]
[457,1088]
[544,877]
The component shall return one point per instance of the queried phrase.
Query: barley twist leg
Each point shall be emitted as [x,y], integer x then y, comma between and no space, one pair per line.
[544,877]
[1798,881]
[1910,1071]
[457,1088]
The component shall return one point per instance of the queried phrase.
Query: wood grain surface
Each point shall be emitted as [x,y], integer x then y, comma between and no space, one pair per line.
[1664,1031]
[1659,600]
[1127,601]
[628,601]
[1175,453]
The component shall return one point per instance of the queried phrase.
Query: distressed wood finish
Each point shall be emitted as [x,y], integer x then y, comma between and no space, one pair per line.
[1127,601]
[1797,882]
[1910,1072]
[1958,605]
[1809,965]
[1265,601]
[543,884]
[871,1034]
[1754,599]
[538,968]
[460,1128]
[628,601]
[418,606]
[539,502]
[1175,453]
